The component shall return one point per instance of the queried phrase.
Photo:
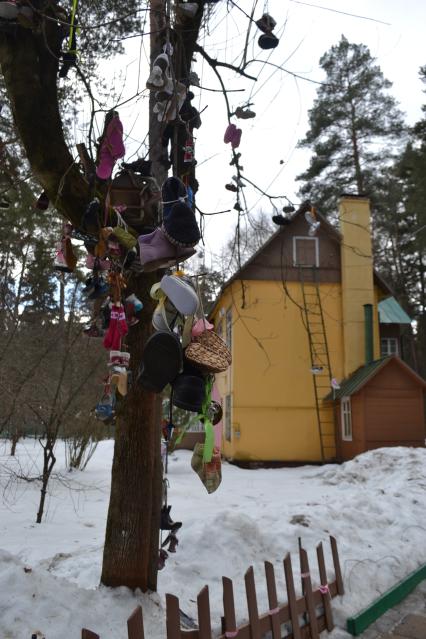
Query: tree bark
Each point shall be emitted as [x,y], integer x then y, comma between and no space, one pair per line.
[132,534]
[30,70]
[131,542]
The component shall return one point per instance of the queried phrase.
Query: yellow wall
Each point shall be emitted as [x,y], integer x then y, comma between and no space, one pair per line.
[271,386]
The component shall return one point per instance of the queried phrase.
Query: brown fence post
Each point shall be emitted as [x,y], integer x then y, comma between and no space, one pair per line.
[272,600]
[204,623]
[172,617]
[336,562]
[291,596]
[309,598]
[229,622]
[325,593]
[252,604]
[88,634]
[135,624]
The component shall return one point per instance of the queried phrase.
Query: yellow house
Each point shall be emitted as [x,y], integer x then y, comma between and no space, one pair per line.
[301,316]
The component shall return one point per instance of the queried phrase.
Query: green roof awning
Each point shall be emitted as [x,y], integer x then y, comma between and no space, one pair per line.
[356,380]
[390,312]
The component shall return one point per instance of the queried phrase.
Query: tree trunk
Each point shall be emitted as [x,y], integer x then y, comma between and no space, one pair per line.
[15,439]
[131,542]
[30,71]
[132,535]
[49,461]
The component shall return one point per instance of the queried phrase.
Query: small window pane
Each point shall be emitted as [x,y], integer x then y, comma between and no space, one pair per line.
[388,346]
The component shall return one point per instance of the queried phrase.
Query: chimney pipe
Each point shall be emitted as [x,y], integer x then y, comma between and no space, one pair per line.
[368,328]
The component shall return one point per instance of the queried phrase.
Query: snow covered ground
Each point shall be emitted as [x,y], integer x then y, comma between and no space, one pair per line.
[374,505]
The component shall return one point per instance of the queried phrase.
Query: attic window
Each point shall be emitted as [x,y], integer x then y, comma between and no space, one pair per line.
[305,251]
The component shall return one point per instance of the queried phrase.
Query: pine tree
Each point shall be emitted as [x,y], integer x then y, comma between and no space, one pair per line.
[351,121]
[410,276]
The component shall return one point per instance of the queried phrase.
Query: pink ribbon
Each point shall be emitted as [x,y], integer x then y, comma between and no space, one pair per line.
[229,634]
[305,575]
[274,611]
[324,590]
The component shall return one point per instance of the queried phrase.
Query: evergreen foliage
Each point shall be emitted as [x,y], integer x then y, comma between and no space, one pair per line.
[351,119]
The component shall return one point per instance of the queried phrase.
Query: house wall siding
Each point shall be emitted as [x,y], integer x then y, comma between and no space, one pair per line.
[394,409]
[273,402]
[277,262]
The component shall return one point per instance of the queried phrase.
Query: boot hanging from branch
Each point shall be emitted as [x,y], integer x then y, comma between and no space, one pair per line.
[69,57]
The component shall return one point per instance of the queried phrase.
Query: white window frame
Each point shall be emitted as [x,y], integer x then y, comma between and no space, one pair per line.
[228,327]
[389,341]
[219,327]
[346,418]
[228,418]
[312,239]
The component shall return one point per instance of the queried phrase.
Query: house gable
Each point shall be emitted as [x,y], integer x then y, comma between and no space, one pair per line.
[288,246]
[371,375]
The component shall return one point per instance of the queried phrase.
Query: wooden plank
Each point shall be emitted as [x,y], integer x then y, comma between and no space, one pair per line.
[204,623]
[357,624]
[135,624]
[291,595]
[336,562]
[324,589]
[88,634]
[229,621]
[306,576]
[252,604]
[172,617]
[299,545]
[85,159]
[272,600]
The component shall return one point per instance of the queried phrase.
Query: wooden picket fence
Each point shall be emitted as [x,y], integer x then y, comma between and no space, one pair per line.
[304,617]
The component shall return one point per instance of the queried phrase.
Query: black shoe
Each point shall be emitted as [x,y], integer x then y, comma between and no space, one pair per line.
[280,220]
[91,215]
[268,41]
[166,521]
[143,167]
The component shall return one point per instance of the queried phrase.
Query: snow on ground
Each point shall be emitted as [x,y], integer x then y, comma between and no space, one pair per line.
[375,505]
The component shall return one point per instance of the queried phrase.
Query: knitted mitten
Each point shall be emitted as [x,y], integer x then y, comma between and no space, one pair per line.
[112,339]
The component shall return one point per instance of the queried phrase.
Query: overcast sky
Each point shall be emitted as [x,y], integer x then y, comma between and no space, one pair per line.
[268,147]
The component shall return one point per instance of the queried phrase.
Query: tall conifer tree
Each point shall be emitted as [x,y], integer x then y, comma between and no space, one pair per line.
[355,128]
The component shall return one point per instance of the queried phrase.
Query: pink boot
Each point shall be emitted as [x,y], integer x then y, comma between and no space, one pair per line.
[111,147]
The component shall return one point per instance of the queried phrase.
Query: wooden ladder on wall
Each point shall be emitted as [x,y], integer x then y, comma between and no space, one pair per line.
[320,359]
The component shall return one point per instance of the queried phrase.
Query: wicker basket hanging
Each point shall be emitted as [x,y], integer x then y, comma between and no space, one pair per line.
[209,352]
